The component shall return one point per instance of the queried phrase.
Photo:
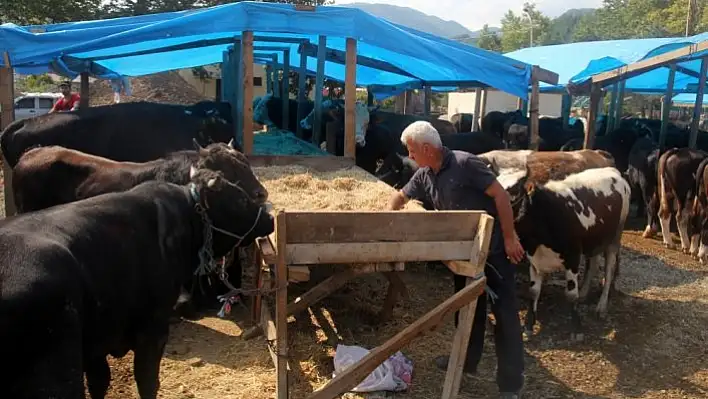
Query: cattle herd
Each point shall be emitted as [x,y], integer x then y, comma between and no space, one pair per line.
[122,214]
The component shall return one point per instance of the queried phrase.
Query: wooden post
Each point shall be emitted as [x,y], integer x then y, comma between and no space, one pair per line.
[331,136]
[319,85]
[477,107]
[519,103]
[350,101]
[698,106]
[619,105]
[301,86]
[483,107]
[369,98]
[7,116]
[610,115]
[217,94]
[426,100]
[566,102]
[281,308]
[286,87]
[595,96]
[247,79]
[533,111]
[84,93]
[237,88]
[666,107]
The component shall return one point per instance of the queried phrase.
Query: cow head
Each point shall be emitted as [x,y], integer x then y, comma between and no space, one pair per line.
[396,170]
[334,110]
[227,209]
[517,137]
[233,166]
[330,113]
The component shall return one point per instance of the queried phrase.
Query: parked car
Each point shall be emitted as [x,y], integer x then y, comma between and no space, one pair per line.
[30,105]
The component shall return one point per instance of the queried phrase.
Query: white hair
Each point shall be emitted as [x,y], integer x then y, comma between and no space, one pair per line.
[421,132]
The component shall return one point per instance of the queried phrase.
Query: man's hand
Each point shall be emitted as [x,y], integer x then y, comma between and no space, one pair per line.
[514,251]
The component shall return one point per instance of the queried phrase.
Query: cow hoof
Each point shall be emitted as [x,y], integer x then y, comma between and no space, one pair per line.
[670,246]
[686,251]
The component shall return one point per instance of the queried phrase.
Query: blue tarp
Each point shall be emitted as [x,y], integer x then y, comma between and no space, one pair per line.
[578,62]
[689,99]
[428,58]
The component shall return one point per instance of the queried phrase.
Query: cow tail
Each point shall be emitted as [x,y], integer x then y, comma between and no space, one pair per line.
[6,140]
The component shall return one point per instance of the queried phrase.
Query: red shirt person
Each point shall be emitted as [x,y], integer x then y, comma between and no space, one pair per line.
[70,101]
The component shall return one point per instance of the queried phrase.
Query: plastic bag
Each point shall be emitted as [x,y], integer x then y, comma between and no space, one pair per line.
[393,375]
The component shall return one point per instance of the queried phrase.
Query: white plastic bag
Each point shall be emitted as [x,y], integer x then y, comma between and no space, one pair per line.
[383,378]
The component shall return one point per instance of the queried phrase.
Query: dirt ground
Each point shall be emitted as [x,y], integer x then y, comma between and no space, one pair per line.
[164,87]
[652,344]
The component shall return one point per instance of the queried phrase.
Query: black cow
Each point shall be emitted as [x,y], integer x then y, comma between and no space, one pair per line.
[560,220]
[136,131]
[463,122]
[641,175]
[100,276]
[54,175]
[395,169]
[268,111]
[676,179]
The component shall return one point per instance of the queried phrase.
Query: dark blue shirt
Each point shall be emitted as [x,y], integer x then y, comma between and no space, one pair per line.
[459,185]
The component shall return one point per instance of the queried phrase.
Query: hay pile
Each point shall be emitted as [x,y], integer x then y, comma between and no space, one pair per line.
[164,87]
[295,187]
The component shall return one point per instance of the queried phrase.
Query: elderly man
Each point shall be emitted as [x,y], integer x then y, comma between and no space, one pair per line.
[457,180]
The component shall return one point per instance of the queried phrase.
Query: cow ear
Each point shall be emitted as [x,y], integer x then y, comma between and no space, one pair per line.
[192,172]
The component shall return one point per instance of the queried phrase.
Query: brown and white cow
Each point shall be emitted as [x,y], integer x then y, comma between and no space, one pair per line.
[582,214]
[699,217]
[676,178]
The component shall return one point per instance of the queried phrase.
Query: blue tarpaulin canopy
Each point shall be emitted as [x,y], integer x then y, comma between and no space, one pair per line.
[71,48]
[578,62]
[688,99]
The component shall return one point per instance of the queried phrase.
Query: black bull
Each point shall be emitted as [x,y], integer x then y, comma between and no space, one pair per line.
[100,276]
[137,132]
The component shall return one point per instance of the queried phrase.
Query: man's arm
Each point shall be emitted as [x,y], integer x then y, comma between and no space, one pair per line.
[397,201]
[503,205]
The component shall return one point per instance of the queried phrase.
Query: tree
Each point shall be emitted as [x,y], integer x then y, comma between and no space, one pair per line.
[516,28]
[489,40]
[24,12]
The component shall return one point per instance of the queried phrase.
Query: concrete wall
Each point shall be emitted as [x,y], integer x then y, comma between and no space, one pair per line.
[549,104]
[207,87]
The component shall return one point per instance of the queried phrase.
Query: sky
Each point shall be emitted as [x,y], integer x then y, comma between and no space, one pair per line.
[473,14]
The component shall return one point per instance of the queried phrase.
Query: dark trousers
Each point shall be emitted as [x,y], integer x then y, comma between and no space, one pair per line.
[507,332]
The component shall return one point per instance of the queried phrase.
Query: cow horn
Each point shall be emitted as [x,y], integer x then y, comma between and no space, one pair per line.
[231,143]
[197,146]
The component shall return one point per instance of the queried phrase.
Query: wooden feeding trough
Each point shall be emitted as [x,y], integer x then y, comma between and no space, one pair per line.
[367,242]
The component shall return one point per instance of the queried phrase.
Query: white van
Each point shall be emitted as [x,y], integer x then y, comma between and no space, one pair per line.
[30,105]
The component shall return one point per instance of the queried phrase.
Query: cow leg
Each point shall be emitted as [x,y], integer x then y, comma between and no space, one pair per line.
[651,205]
[682,219]
[611,267]
[535,291]
[694,246]
[148,354]
[591,268]
[571,294]
[665,222]
[98,377]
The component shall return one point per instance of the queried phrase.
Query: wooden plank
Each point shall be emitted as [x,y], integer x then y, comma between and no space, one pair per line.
[319,163]
[7,116]
[298,274]
[464,268]
[458,352]
[367,252]
[533,113]
[315,227]
[270,332]
[610,115]
[566,103]
[544,75]
[637,68]
[619,106]
[666,102]
[480,246]
[595,96]
[247,79]
[281,304]
[477,107]
[350,101]
[319,86]
[266,250]
[322,290]
[698,107]
[431,320]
